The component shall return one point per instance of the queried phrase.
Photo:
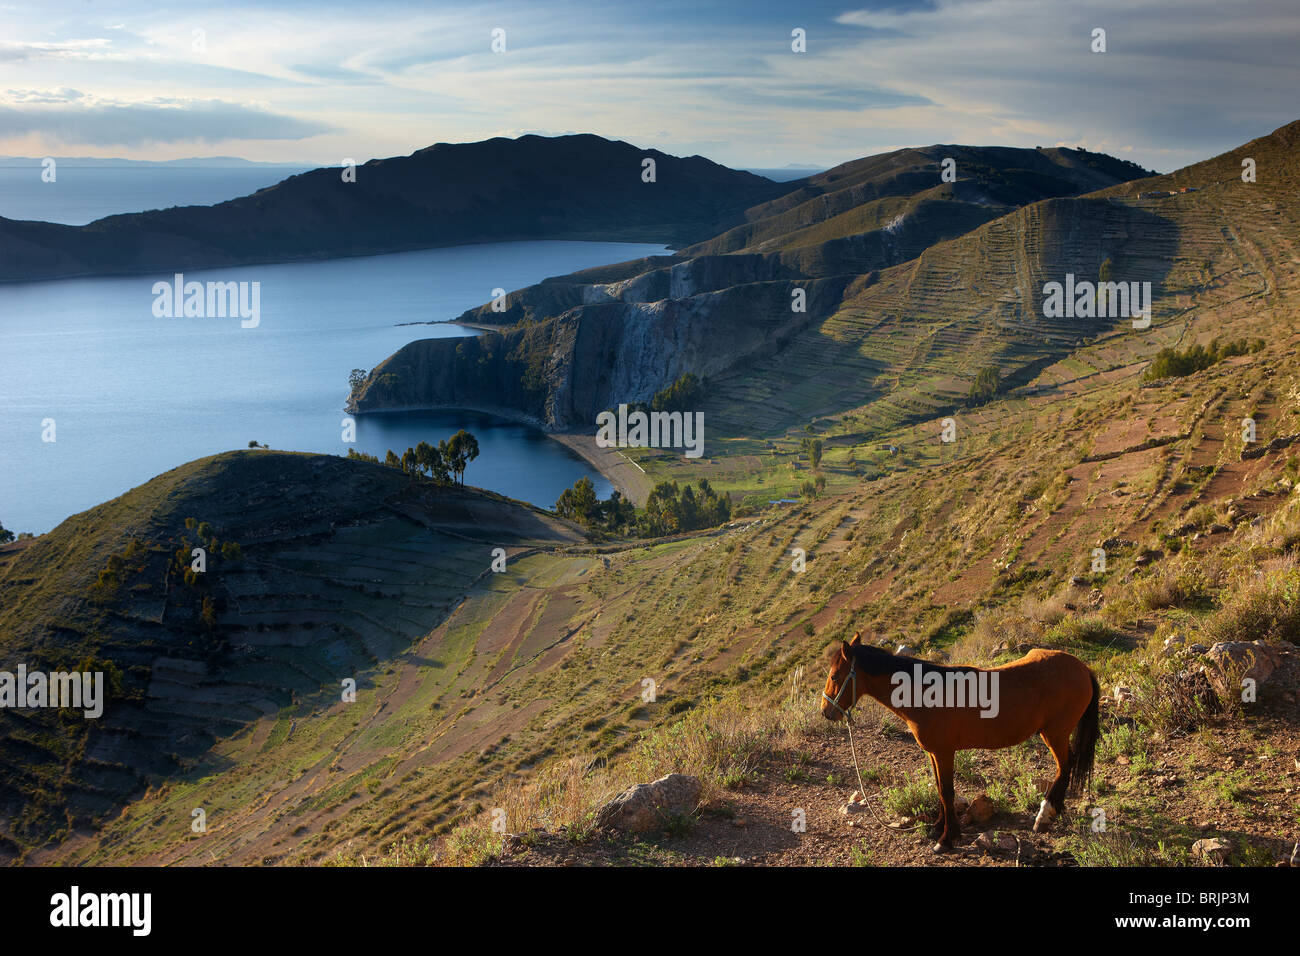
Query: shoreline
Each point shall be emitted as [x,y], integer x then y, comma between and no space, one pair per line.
[632,483]
[619,470]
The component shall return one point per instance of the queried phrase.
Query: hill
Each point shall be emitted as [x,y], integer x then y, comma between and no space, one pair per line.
[317,568]
[533,187]
[526,694]
[574,345]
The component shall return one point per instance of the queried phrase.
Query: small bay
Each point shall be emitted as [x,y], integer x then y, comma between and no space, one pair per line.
[132,395]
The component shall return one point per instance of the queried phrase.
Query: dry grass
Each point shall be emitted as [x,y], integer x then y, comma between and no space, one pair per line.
[722,743]
[994,627]
[1180,582]
[1260,604]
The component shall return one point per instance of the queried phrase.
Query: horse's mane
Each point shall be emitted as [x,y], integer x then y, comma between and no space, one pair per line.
[878,661]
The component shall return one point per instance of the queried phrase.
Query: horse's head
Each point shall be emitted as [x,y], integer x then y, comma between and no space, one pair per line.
[841,689]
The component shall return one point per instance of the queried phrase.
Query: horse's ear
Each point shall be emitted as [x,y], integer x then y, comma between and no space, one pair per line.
[857,638]
[845,651]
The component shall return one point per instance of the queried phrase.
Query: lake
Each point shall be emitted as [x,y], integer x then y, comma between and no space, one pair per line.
[132,395]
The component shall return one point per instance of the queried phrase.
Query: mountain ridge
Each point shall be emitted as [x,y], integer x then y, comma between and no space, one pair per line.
[620,329]
[580,187]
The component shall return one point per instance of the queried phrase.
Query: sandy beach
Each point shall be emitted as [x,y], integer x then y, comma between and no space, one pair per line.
[625,475]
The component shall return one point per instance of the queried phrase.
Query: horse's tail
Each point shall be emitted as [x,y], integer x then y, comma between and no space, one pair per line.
[1084,746]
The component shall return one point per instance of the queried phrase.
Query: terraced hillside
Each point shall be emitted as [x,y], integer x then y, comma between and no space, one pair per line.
[317,569]
[864,197]
[574,345]
[529,696]
[976,560]
[909,344]
[541,691]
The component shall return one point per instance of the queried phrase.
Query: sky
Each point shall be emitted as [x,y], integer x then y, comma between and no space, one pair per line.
[323,81]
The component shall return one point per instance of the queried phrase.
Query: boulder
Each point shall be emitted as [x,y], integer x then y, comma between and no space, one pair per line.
[1213,850]
[991,842]
[647,805]
[1229,662]
[981,809]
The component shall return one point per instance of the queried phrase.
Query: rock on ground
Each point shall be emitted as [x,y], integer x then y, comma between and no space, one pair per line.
[1213,850]
[648,805]
[1229,662]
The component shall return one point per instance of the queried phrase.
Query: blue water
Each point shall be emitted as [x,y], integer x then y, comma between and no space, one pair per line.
[785,174]
[82,194]
[132,395]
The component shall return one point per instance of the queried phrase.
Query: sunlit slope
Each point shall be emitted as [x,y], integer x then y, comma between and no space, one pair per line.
[574,345]
[911,343]
[865,195]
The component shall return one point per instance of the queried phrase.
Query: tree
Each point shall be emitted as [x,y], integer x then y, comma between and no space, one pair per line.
[987,384]
[5,536]
[356,378]
[208,613]
[671,509]
[682,395]
[431,460]
[459,452]
[619,512]
[812,447]
[579,503]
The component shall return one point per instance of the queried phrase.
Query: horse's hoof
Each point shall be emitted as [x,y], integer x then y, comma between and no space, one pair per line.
[1046,814]
[940,847]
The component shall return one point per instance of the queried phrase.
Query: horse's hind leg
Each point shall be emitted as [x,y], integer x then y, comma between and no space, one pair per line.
[951,828]
[936,824]
[1058,742]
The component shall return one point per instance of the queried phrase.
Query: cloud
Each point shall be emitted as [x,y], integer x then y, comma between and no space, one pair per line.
[70,117]
[96,48]
[1181,79]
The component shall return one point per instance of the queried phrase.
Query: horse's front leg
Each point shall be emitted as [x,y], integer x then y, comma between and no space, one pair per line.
[943,762]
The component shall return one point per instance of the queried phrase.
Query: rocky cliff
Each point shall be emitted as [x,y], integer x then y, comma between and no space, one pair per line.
[569,347]
[562,371]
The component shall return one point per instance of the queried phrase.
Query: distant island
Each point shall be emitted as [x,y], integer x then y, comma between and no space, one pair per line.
[581,187]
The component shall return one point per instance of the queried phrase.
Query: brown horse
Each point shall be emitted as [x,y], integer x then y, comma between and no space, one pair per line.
[1048,693]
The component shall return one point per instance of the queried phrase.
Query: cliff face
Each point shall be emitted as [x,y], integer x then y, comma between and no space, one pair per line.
[572,346]
[534,187]
[563,371]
